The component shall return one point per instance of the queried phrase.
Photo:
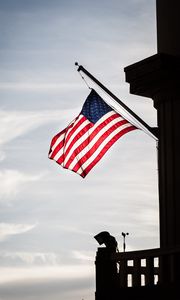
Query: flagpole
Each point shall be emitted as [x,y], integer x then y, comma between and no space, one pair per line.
[152,130]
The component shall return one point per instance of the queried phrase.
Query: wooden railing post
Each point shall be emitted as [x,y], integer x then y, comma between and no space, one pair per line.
[136,276]
[176,267]
[149,276]
[164,268]
[123,273]
[106,274]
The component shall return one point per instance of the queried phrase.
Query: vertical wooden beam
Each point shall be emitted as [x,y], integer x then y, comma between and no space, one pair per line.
[136,277]
[157,77]
[106,274]
[149,276]
[168,22]
[123,273]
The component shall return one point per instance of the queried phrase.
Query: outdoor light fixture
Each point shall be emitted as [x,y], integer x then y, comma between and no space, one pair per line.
[124,237]
[104,237]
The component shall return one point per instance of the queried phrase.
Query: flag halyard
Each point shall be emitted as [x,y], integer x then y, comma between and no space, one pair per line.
[81,145]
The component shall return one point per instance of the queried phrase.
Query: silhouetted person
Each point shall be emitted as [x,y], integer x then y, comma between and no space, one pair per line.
[110,242]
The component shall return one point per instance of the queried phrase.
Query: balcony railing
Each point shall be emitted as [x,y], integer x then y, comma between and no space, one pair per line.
[147,268]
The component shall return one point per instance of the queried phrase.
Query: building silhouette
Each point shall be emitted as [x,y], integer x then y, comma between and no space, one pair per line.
[154,273]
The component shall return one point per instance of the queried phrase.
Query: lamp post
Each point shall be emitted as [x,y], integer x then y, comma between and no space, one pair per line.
[124,240]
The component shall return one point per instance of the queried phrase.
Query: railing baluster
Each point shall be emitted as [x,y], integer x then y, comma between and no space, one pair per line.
[172,267]
[164,269]
[123,273]
[176,267]
[149,276]
[136,276]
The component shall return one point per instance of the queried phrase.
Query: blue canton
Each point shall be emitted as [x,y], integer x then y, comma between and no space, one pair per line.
[94,107]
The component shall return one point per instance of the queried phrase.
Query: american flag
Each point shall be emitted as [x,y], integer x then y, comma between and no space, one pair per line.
[88,137]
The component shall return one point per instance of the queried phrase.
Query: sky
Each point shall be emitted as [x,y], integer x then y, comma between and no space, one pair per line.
[48,215]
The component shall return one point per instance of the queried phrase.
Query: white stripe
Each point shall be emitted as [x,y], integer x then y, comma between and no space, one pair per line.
[58,141]
[106,116]
[88,162]
[76,144]
[63,149]
[58,154]
[95,139]
[86,122]
[88,133]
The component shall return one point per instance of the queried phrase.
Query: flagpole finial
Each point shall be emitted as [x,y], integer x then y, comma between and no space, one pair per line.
[79,67]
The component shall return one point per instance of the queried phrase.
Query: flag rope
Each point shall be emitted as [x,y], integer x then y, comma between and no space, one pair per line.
[85,81]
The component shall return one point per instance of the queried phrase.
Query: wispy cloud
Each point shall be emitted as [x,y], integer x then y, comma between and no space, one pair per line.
[45,272]
[47,283]
[12,182]
[17,123]
[83,256]
[32,86]
[9,229]
[32,258]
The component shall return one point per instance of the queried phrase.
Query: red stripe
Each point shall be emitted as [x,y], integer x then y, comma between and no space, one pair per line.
[57,149]
[54,139]
[105,149]
[71,129]
[67,136]
[61,144]
[98,143]
[78,136]
[74,128]
[92,136]
[65,140]
[60,160]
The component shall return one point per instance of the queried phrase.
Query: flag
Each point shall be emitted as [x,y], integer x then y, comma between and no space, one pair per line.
[88,137]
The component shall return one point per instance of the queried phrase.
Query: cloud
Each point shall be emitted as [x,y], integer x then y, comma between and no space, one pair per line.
[47,283]
[83,256]
[31,258]
[12,181]
[2,155]
[32,86]
[17,123]
[9,229]
[9,274]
